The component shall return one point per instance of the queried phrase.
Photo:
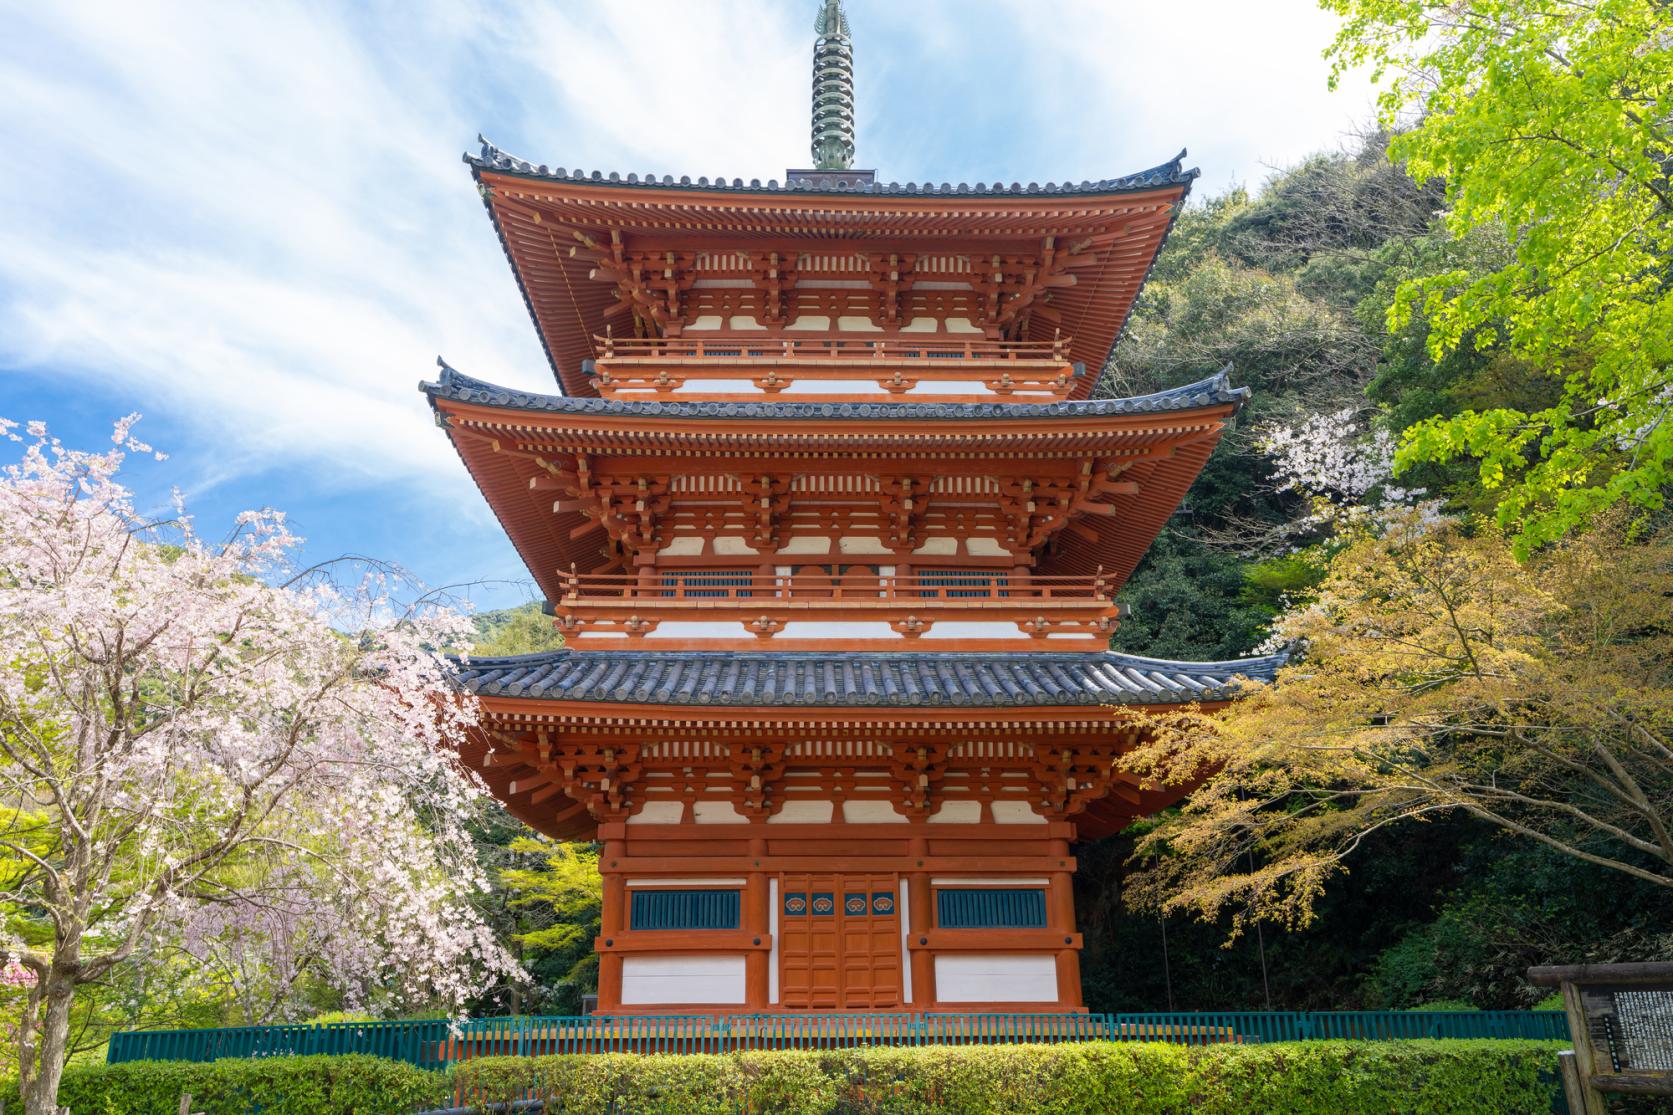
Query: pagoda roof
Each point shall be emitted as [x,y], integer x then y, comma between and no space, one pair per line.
[1216,390]
[1163,175]
[1182,425]
[539,210]
[860,680]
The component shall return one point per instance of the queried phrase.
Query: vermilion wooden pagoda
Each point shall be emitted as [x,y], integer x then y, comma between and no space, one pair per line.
[833,530]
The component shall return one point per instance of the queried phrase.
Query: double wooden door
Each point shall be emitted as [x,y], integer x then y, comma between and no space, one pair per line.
[839,942]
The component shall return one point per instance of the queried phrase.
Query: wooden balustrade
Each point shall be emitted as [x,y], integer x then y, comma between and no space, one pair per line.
[845,349]
[849,589]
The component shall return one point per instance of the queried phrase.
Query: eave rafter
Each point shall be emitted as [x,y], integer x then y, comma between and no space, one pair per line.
[645,263]
[611,774]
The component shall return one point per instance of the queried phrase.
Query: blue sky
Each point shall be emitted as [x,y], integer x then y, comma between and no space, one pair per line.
[249,221]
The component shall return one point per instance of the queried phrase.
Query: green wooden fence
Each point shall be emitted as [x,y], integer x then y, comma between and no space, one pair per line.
[434,1043]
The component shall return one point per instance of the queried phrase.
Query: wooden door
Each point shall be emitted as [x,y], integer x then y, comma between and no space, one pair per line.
[839,942]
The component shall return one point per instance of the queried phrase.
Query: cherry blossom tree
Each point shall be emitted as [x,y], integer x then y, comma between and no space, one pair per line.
[204,747]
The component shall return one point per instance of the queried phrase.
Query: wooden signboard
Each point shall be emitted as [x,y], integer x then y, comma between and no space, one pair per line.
[1621,1017]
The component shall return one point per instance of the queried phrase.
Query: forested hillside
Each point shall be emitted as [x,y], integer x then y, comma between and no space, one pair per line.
[1292,287]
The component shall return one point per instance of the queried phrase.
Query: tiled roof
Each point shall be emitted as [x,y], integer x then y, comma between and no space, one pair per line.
[1170,173]
[1213,391]
[903,680]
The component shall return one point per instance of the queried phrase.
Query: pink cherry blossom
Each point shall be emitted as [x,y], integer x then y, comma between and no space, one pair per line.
[204,747]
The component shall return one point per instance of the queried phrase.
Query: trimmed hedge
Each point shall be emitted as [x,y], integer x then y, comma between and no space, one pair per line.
[349,1085]
[1096,1078]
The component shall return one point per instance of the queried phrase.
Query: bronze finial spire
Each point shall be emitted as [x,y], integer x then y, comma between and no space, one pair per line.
[833,90]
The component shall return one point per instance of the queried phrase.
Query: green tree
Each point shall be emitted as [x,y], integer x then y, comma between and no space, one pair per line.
[526,629]
[559,895]
[1441,677]
[1554,122]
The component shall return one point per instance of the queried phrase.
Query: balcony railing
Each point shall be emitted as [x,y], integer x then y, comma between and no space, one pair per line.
[844,349]
[1024,371]
[963,587]
[982,610]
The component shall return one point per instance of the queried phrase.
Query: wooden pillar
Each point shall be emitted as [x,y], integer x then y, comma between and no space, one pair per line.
[757,923]
[920,919]
[1060,916]
[613,920]
[1590,1100]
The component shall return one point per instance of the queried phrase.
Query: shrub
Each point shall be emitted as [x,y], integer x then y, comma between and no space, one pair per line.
[346,1085]
[1317,1078]
[1091,1078]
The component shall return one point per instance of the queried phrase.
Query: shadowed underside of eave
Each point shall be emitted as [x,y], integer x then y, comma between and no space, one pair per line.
[537,211]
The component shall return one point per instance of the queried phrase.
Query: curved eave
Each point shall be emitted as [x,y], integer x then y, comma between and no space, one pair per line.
[650,203]
[1213,393]
[1172,173]
[498,433]
[1090,696]
[770,685]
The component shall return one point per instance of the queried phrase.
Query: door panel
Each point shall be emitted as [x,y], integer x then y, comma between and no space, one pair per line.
[839,942]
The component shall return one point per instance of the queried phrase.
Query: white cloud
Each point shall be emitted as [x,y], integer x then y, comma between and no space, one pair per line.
[255,215]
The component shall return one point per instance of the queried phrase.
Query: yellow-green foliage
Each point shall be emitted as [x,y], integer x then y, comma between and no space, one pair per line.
[1323,1078]
[1091,1078]
[349,1085]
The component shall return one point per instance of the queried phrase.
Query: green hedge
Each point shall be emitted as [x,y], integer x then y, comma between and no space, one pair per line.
[1317,1078]
[351,1085]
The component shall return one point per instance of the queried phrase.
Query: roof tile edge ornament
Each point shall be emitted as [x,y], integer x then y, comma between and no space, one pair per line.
[862,680]
[455,386]
[1171,173]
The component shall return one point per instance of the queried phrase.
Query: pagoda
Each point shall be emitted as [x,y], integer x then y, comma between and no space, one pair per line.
[833,524]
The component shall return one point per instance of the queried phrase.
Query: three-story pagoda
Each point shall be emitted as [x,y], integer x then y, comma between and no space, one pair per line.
[833,529]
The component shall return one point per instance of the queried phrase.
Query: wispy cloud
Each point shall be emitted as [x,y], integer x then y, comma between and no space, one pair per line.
[253,216]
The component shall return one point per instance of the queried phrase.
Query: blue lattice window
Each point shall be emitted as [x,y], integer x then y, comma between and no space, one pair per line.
[961,583]
[684,909]
[990,908]
[707,583]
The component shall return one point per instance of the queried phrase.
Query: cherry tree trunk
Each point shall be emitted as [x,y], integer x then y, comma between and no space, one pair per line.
[52,1044]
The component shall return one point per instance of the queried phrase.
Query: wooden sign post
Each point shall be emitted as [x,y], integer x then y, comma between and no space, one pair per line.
[1621,1019]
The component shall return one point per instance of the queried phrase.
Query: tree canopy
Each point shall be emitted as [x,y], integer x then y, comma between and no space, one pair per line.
[206,752]
[1554,123]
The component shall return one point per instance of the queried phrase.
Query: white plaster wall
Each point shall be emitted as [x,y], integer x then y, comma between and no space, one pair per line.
[804,813]
[658,813]
[871,813]
[951,387]
[696,629]
[995,978]
[957,813]
[772,927]
[719,386]
[648,980]
[972,629]
[716,813]
[1016,813]
[837,629]
[832,387]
